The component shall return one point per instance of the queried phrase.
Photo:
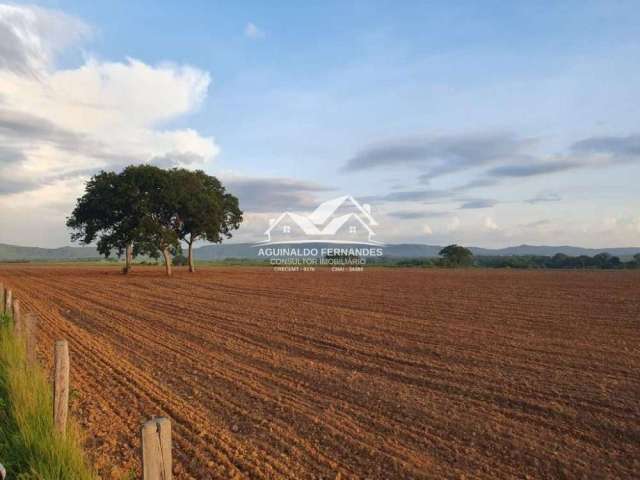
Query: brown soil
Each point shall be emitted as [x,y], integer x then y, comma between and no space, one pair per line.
[387,373]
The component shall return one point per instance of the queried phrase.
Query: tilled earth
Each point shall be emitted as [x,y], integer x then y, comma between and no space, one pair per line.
[381,374]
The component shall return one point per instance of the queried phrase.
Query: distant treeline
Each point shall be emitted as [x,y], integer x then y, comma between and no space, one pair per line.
[560,260]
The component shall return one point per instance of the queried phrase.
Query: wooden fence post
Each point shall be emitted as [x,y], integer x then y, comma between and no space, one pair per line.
[61,386]
[1,297]
[15,315]
[8,299]
[156,449]
[29,325]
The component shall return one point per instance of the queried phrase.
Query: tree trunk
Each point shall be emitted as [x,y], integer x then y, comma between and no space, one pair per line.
[191,265]
[128,255]
[167,261]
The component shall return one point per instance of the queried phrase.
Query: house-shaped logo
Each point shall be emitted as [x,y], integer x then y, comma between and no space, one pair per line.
[339,220]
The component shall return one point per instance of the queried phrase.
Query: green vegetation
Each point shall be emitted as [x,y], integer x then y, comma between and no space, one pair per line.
[602,261]
[456,256]
[203,209]
[145,210]
[30,449]
[560,261]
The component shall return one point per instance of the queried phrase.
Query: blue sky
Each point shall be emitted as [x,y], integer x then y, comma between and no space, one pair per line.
[487,123]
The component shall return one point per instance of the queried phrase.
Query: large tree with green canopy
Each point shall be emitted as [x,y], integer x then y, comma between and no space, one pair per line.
[205,211]
[153,211]
[106,212]
[148,210]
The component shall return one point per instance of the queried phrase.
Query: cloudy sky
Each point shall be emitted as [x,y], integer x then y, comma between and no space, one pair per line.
[482,123]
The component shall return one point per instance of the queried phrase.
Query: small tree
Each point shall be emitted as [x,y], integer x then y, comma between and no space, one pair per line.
[560,260]
[456,256]
[204,210]
[602,260]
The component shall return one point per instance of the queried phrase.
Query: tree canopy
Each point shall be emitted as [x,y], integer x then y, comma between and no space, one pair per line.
[456,256]
[204,209]
[148,210]
[105,212]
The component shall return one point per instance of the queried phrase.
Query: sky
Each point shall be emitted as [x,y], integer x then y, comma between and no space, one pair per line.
[481,123]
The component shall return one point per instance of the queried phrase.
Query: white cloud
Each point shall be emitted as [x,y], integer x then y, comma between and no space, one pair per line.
[253,32]
[490,224]
[30,37]
[427,230]
[59,125]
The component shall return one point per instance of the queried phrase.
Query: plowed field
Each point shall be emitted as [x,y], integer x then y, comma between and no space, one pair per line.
[387,373]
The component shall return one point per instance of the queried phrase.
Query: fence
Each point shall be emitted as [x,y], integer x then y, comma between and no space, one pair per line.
[156,433]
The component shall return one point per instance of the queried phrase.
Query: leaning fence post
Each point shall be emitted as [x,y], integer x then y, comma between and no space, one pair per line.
[156,449]
[15,315]
[29,325]
[61,386]
[8,298]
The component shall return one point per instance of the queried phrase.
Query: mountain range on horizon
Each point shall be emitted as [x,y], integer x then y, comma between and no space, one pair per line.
[250,251]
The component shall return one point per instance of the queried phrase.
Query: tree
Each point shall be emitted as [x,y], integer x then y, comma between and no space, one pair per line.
[585,261]
[560,260]
[204,209]
[148,210]
[104,212]
[456,256]
[128,212]
[606,260]
[153,211]
[614,262]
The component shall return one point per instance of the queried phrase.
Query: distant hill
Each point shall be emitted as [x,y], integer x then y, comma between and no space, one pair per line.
[549,251]
[250,251]
[15,252]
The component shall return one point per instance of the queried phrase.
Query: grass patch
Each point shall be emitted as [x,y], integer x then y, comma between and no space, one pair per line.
[30,449]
